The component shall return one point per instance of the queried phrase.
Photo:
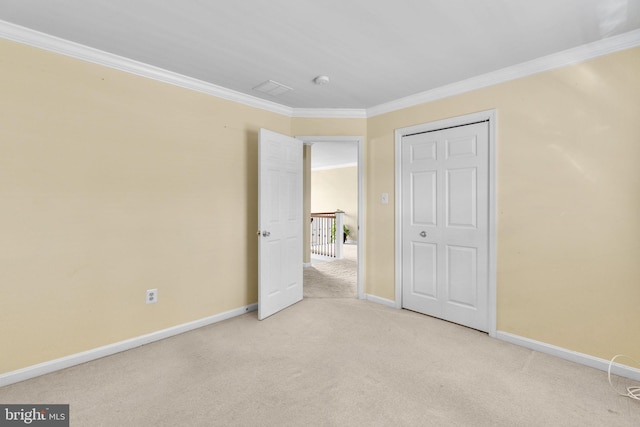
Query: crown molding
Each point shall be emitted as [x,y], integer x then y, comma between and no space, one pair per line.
[546,63]
[54,44]
[582,53]
[330,113]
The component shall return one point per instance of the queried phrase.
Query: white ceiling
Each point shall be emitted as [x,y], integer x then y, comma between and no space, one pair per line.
[374,51]
[333,154]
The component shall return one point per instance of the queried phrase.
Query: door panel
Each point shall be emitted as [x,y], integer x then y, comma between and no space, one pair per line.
[461,198]
[445,224]
[280,222]
[424,208]
[462,275]
[423,151]
[458,148]
[424,269]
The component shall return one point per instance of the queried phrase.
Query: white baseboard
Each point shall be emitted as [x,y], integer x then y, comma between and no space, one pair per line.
[572,356]
[107,350]
[306,264]
[379,300]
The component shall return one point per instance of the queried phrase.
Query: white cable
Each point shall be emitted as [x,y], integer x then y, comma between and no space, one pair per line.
[632,392]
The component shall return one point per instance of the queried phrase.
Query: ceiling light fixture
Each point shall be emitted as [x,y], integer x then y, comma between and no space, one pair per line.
[321,80]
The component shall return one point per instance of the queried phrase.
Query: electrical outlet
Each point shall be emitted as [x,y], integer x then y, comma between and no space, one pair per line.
[152,296]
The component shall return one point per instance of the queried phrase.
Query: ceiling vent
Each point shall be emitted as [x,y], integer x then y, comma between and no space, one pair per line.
[272,88]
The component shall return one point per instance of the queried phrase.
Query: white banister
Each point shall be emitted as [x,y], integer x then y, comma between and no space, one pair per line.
[327,234]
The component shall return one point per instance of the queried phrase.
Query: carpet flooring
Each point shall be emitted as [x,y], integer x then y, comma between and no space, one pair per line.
[333,279]
[332,362]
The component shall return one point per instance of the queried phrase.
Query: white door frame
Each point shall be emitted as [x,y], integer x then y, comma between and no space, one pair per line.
[491,116]
[308,140]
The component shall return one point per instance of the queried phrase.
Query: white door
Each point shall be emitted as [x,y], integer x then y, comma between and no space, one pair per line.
[445,191]
[279,222]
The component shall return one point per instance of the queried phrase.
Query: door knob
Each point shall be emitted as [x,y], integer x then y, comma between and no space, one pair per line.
[423,233]
[266,233]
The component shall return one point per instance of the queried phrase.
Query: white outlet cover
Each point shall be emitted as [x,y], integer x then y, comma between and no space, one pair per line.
[152,296]
[384,199]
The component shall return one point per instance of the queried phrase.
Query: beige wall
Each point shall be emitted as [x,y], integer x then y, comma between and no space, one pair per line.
[328,127]
[333,189]
[112,184]
[568,202]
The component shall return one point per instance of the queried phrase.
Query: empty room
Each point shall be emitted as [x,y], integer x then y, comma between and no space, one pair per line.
[155,237]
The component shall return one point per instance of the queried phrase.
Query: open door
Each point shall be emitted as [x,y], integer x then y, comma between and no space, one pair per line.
[280,222]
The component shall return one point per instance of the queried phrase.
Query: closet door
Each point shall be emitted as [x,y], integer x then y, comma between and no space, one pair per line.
[445,192]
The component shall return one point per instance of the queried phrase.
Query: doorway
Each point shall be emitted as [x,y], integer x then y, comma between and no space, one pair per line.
[354,248]
[445,220]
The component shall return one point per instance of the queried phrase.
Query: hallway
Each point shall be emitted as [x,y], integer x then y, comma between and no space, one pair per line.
[333,279]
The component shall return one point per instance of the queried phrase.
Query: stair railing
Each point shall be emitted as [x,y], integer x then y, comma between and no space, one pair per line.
[327,234]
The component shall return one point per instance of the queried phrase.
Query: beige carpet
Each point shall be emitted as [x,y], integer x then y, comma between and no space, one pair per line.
[333,279]
[331,362]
